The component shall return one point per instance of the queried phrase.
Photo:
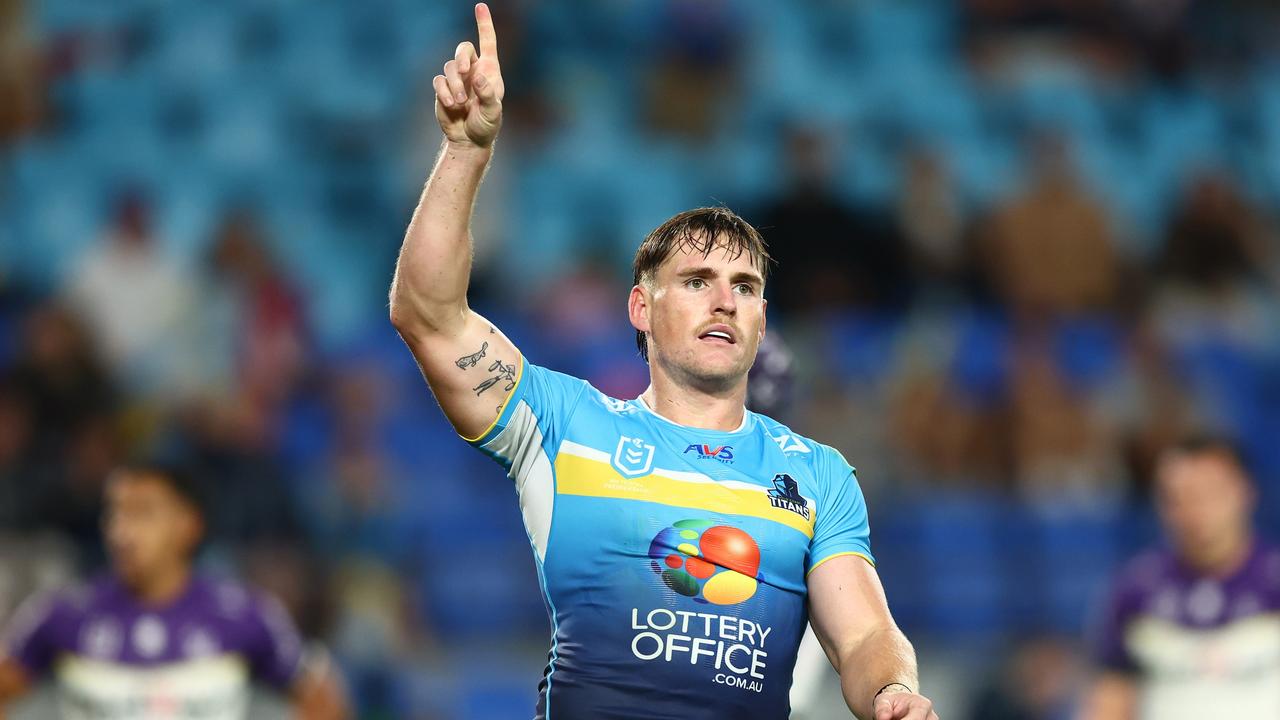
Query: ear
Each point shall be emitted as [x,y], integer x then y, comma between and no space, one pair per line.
[1250,492]
[193,529]
[764,317]
[638,308]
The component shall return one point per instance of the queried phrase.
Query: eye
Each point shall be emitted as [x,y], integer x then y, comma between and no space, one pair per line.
[696,283]
[744,289]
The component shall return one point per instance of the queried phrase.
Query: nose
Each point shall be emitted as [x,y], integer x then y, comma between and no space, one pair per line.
[726,301]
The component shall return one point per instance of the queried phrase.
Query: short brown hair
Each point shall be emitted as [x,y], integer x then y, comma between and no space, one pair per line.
[1208,444]
[699,230]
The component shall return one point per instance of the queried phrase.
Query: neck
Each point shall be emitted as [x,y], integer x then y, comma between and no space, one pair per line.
[696,407]
[1223,559]
[164,586]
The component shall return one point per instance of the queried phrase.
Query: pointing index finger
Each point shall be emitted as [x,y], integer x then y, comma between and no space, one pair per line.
[488,38]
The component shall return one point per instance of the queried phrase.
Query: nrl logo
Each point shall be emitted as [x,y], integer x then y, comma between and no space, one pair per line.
[785,495]
[633,457]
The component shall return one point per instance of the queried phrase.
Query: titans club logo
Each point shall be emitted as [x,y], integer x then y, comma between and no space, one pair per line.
[786,495]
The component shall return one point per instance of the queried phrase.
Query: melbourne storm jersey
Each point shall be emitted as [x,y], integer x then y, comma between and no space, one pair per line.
[1198,647]
[672,559]
[116,658]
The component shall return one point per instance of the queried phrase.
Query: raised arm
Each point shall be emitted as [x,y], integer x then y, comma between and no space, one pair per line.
[470,366]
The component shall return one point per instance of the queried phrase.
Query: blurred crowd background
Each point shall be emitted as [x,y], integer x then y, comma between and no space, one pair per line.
[1022,245]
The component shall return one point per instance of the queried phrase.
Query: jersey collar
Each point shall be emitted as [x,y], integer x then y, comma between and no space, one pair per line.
[746,419]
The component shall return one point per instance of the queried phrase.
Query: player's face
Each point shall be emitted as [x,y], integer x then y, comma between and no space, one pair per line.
[149,528]
[705,316]
[1204,501]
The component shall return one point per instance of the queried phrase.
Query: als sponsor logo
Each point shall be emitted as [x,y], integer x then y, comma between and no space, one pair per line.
[633,456]
[786,495]
[713,565]
[723,453]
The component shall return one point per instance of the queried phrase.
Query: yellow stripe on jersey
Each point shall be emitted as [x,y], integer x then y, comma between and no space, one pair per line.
[593,478]
[870,562]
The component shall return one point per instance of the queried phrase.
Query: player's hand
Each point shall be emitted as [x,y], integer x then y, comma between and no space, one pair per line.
[469,93]
[904,706]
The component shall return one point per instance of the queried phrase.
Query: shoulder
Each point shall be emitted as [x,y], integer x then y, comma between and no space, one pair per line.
[61,607]
[801,449]
[552,379]
[1143,574]
[79,598]
[1269,568]
[596,399]
[234,600]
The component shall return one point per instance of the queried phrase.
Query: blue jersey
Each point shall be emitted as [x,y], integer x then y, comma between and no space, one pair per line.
[672,559]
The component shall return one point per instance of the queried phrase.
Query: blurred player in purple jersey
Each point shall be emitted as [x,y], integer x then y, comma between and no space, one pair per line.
[152,638]
[1193,630]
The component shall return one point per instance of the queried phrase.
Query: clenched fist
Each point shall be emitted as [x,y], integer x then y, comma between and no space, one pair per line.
[904,706]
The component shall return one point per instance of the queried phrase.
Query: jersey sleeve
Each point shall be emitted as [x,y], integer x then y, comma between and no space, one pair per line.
[840,527]
[275,648]
[533,417]
[1107,647]
[31,637]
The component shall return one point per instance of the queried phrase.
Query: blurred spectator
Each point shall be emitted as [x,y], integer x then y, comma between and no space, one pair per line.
[941,436]
[374,633]
[72,488]
[267,329]
[1065,454]
[351,502]
[231,443]
[586,296]
[1075,15]
[59,374]
[1160,32]
[933,225]
[696,47]
[1036,681]
[136,302]
[1050,252]
[254,358]
[1213,279]
[19,495]
[21,94]
[1216,240]
[829,254]
[1161,411]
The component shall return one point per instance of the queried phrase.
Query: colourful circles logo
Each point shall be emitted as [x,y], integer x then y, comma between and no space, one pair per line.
[708,562]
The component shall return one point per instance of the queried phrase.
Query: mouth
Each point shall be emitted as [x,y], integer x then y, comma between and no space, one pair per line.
[719,334]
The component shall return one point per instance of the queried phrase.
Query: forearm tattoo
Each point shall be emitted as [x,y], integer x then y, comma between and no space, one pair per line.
[469,361]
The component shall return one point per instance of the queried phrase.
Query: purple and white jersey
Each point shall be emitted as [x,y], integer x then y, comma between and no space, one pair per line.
[1199,647]
[118,659]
